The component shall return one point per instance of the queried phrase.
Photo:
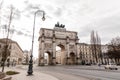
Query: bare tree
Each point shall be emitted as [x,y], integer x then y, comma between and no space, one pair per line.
[13,14]
[93,47]
[114,49]
[96,47]
[7,19]
[99,51]
[5,50]
[0,12]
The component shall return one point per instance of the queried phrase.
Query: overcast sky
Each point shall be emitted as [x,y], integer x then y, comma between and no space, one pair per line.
[81,16]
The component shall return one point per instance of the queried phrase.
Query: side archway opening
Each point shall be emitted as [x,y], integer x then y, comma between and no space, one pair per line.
[72,58]
[60,55]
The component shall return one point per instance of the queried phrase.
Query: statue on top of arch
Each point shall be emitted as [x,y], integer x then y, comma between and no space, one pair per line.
[59,26]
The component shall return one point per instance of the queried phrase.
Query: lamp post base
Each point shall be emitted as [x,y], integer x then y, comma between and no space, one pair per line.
[30,67]
[30,71]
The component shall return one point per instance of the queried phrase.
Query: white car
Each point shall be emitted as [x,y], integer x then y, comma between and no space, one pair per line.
[111,66]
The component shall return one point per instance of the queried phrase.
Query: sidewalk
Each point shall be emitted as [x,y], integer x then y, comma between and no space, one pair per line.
[23,75]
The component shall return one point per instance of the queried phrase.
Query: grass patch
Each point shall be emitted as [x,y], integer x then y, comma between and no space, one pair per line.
[12,72]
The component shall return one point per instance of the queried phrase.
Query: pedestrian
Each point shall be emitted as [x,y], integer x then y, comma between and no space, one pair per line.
[12,64]
[8,64]
[99,65]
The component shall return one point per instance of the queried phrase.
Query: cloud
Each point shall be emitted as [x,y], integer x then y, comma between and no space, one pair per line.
[17,14]
[58,12]
[20,33]
[30,8]
[108,28]
[12,31]
[27,35]
[81,16]
[26,1]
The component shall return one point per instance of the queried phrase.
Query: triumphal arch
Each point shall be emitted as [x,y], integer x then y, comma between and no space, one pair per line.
[59,36]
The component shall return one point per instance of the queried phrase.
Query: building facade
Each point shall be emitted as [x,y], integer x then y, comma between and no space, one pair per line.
[16,53]
[86,56]
[26,56]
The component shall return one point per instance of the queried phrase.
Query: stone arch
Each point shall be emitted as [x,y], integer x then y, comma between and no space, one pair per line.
[62,46]
[50,38]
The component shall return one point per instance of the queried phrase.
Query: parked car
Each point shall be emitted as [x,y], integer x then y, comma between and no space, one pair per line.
[88,64]
[111,66]
[118,64]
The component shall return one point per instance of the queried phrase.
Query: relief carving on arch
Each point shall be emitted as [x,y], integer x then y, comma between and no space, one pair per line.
[71,47]
[48,45]
[48,33]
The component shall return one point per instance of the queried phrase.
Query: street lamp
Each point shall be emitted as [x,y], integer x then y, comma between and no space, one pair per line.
[30,68]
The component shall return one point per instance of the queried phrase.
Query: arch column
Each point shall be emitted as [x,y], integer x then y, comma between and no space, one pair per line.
[77,51]
[54,54]
[78,54]
[68,51]
[54,51]
[41,56]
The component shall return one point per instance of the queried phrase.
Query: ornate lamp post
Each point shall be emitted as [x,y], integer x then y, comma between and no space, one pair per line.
[30,68]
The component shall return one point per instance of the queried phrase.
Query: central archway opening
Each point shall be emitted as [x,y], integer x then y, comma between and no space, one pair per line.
[47,58]
[60,55]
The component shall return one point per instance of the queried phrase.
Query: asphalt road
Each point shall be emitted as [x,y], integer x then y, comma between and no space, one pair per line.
[80,72]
